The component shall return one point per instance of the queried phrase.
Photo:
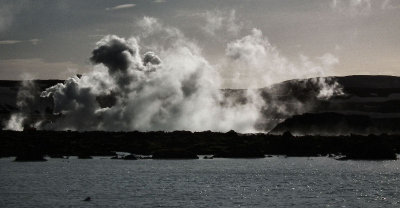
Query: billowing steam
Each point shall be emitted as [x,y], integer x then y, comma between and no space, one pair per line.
[26,102]
[252,61]
[179,92]
[178,89]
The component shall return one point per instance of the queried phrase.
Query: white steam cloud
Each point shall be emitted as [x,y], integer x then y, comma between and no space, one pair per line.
[173,89]
[218,21]
[253,62]
[180,91]
[26,102]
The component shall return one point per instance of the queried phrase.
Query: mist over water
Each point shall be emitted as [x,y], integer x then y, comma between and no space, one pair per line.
[173,87]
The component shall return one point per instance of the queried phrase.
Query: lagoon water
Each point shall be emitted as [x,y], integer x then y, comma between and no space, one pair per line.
[268,182]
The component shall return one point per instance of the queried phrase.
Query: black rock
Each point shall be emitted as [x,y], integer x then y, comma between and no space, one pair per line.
[174,154]
[141,157]
[240,153]
[370,151]
[85,157]
[130,157]
[56,156]
[30,157]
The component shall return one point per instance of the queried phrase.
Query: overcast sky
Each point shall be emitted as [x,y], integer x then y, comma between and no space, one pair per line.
[54,38]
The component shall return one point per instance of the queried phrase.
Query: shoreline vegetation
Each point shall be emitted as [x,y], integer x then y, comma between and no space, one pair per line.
[34,145]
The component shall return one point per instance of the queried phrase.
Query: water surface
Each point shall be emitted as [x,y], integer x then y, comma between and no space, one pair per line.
[268,182]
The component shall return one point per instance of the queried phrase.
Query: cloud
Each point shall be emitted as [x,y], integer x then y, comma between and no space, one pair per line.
[151,58]
[26,103]
[180,93]
[329,59]
[97,36]
[34,41]
[9,42]
[115,53]
[362,7]
[174,87]
[8,10]
[253,61]
[219,21]
[149,25]
[122,6]
[352,7]
[157,37]
[389,5]
[13,68]
[6,16]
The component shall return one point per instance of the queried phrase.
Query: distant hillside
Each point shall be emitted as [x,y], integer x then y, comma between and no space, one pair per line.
[362,94]
[371,96]
[370,81]
[337,124]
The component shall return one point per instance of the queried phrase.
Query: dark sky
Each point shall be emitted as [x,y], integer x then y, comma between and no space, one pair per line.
[54,38]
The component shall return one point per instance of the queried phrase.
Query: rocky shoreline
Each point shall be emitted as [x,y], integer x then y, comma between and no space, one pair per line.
[34,145]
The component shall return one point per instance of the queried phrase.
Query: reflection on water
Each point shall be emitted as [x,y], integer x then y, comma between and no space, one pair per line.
[276,181]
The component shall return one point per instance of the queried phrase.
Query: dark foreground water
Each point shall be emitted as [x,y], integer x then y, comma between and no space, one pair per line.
[269,182]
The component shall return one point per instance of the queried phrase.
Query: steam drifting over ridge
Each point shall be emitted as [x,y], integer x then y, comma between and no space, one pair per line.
[176,89]
[181,92]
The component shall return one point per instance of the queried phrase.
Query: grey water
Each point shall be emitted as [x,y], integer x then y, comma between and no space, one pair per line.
[268,182]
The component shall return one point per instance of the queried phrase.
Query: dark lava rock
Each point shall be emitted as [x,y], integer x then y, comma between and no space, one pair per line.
[333,123]
[59,156]
[371,151]
[232,133]
[130,157]
[144,157]
[208,157]
[30,157]
[85,157]
[127,157]
[242,153]
[174,154]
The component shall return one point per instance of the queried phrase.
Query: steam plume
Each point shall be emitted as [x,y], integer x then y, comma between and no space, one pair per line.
[176,89]
[26,103]
[179,92]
